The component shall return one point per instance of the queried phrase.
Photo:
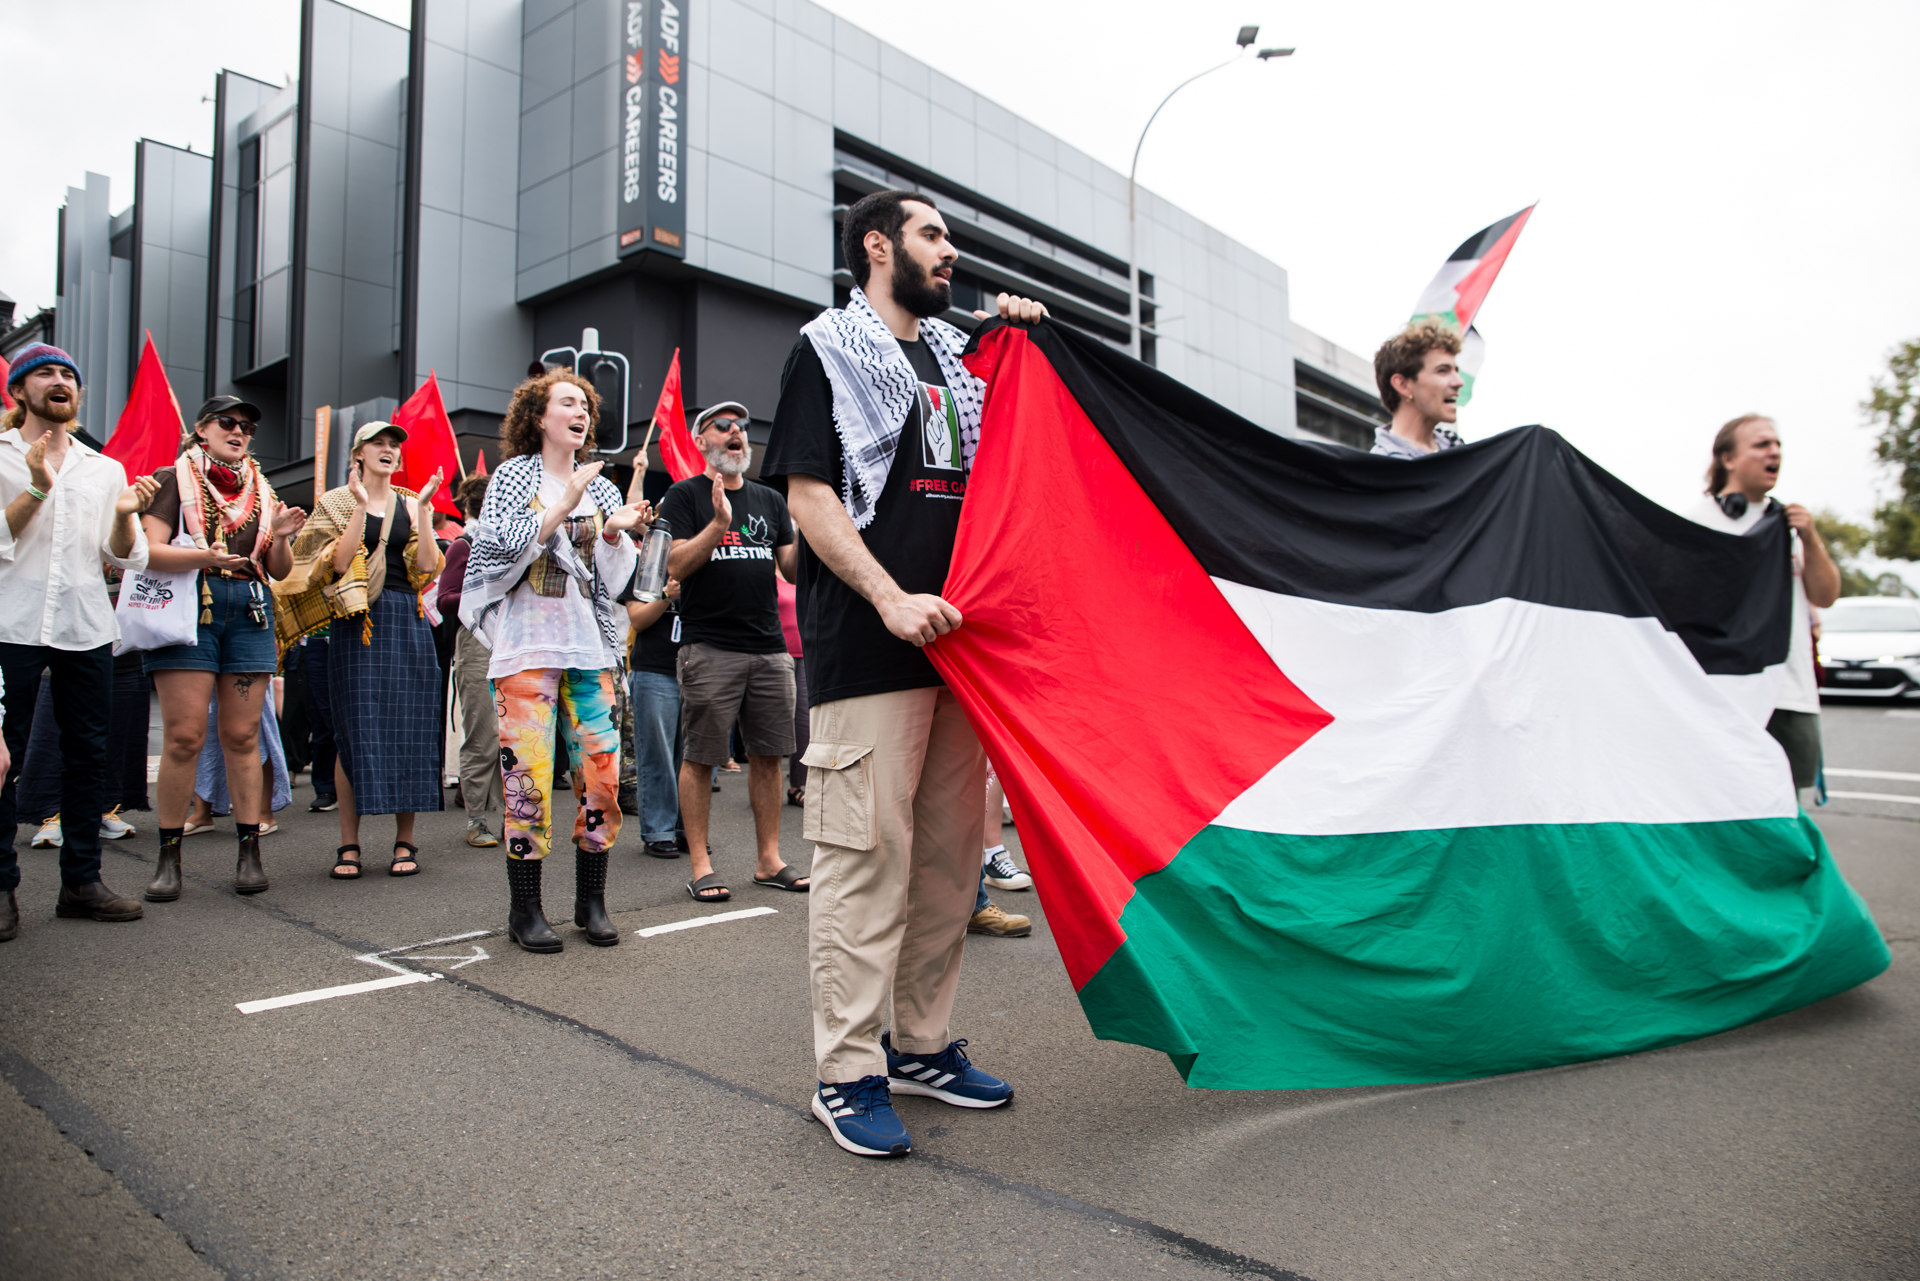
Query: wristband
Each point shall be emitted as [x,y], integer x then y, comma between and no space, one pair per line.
[39,495]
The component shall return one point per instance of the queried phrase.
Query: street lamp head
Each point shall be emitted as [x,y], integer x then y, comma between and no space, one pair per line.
[1264,54]
[1247,36]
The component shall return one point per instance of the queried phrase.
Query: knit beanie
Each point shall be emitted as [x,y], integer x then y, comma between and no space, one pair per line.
[37,355]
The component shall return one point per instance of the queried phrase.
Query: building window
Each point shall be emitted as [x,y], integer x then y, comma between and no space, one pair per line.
[263,248]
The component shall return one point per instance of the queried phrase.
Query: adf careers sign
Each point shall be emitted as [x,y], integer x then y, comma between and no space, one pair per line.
[653,116]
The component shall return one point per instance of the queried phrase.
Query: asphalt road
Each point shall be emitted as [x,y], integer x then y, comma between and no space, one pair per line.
[640,1111]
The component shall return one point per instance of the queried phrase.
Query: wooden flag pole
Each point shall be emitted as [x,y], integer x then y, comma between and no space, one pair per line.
[640,459]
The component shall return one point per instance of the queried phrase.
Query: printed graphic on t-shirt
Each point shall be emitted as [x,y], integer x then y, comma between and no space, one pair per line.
[939,428]
[752,541]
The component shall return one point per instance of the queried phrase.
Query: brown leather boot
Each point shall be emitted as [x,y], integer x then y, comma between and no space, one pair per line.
[9,918]
[248,876]
[95,901]
[165,885]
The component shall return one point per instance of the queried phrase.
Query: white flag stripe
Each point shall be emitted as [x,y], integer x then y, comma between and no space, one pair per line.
[1499,714]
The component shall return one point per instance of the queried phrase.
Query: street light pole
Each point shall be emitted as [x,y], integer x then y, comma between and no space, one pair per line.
[1246,38]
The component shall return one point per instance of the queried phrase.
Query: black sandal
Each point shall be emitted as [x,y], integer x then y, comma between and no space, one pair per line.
[700,891]
[787,878]
[398,858]
[340,861]
[797,797]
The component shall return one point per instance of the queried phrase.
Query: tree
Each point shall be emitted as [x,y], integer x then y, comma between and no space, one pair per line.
[1845,541]
[1894,407]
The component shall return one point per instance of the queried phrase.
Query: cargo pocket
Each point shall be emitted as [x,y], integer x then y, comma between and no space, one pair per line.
[839,795]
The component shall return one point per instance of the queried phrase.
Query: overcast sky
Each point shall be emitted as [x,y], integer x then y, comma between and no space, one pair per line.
[1726,189]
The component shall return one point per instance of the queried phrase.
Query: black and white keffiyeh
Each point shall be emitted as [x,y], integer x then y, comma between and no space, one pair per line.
[873,389]
[505,545]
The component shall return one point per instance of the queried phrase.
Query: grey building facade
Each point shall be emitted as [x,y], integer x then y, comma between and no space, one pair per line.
[465,195]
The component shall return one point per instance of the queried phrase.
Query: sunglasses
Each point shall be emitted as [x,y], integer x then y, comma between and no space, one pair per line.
[725,426]
[229,422]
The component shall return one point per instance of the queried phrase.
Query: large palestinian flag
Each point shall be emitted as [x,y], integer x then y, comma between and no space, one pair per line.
[1339,770]
[1454,295]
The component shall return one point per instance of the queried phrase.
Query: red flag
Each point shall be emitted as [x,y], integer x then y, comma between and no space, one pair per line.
[677,450]
[479,463]
[430,446]
[147,437]
[6,401]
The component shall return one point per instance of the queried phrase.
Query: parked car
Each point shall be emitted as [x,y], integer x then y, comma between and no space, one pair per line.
[1870,646]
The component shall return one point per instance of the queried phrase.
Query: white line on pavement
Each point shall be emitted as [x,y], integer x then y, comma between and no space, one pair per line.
[740,915]
[1874,796]
[1874,773]
[325,993]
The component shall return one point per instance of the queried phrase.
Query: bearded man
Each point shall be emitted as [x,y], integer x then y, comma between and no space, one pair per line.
[875,433]
[67,508]
[729,536]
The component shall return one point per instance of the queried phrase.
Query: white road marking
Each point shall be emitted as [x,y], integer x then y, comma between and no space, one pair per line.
[1874,796]
[1874,773]
[740,915]
[1905,716]
[479,954]
[326,993]
[374,958]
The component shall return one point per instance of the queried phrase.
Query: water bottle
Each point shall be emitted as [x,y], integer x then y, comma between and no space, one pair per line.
[650,581]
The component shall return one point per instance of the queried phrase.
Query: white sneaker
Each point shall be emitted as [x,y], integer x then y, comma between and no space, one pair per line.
[48,837]
[115,828]
[1003,875]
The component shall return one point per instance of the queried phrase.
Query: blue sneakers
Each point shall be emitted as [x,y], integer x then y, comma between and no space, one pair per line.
[860,1117]
[947,1076]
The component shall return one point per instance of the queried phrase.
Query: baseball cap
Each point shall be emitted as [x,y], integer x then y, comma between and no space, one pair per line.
[714,411]
[226,405]
[367,431]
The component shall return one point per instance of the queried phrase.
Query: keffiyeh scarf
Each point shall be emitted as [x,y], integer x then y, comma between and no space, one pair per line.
[505,544]
[874,385]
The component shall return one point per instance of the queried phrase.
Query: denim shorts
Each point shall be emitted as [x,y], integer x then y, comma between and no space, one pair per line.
[232,642]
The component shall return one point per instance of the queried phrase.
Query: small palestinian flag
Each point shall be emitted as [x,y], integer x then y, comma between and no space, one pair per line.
[1335,770]
[1456,293]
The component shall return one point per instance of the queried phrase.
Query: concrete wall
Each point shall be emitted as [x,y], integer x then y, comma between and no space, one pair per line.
[345,327]
[471,332]
[173,212]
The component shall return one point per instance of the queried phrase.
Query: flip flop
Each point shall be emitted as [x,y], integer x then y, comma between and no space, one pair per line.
[786,878]
[711,881]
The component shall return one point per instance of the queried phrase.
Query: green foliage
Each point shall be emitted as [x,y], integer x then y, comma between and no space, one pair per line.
[1845,541]
[1894,407]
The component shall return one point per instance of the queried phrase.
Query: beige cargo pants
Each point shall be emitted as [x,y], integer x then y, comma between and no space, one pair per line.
[893,806]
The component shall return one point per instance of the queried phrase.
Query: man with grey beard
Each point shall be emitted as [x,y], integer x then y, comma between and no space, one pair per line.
[730,534]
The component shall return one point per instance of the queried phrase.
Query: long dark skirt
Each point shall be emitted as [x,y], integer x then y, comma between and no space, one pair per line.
[386,708]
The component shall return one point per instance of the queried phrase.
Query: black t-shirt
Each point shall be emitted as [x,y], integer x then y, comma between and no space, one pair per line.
[729,602]
[166,507]
[658,647]
[849,650]
[397,545]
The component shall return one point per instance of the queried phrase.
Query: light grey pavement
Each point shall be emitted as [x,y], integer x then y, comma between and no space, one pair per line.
[640,1111]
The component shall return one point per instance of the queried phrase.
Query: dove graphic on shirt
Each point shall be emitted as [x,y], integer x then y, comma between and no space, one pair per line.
[754,530]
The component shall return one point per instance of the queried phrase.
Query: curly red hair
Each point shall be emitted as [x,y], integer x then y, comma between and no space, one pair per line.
[520,434]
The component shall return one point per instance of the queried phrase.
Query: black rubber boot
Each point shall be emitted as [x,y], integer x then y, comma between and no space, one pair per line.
[249,877]
[590,897]
[165,886]
[526,923]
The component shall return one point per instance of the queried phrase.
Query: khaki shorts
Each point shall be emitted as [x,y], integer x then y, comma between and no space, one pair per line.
[719,687]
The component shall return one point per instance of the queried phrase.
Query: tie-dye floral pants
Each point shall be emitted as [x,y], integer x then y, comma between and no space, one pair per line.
[530,704]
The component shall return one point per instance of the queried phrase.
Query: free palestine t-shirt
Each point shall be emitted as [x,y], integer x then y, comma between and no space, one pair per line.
[728,602]
[849,650]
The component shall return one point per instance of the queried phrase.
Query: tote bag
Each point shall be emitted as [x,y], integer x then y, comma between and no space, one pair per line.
[158,609]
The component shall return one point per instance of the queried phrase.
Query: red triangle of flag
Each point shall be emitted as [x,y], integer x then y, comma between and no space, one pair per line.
[147,437]
[677,450]
[430,446]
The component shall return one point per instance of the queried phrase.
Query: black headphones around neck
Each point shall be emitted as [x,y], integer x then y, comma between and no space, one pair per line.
[1735,504]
